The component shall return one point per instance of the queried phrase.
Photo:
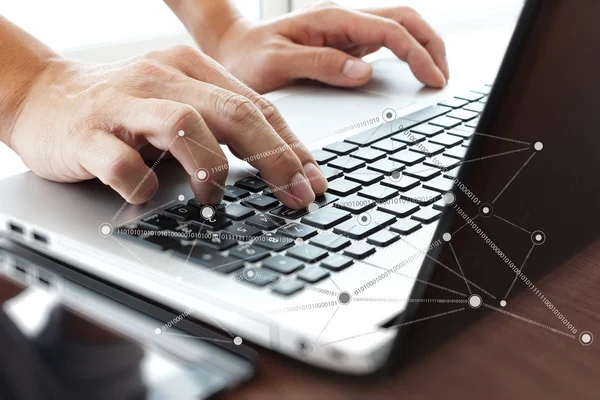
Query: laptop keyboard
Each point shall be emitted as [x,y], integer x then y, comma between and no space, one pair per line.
[384,183]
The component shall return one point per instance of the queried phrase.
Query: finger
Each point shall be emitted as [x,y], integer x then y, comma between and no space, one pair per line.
[240,124]
[119,166]
[205,69]
[178,128]
[421,30]
[328,65]
[371,30]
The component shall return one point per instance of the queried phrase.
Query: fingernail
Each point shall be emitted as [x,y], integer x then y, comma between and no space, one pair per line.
[356,69]
[441,77]
[316,178]
[301,190]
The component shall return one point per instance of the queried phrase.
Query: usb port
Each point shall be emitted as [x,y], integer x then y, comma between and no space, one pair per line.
[40,238]
[16,228]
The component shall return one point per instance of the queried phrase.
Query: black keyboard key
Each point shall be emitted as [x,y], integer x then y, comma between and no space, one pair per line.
[409,138]
[307,253]
[260,277]
[383,238]
[261,202]
[237,212]
[186,231]
[182,212]
[427,113]
[475,107]
[288,287]
[378,193]
[457,152]
[337,262]
[463,115]
[289,213]
[406,226]
[358,229]
[355,204]
[323,157]
[426,215]
[377,133]
[325,199]
[427,148]
[400,208]
[446,140]
[364,176]
[158,222]
[249,252]
[360,250]
[473,123]
[273,242]
[443,162]
[422,172]
[252,184]
[326,218]
[347,163]
[453,103]
[283,264]
[386,166]
[403,184]
[368,155]
[217,241]
[421,196]
[445,122]
[265,222]
[470,96]
[408,157]
[427,130]
[233,193]
[389,146]
[331,173]
[298,231]
[217,222]
[330,241]
[343,187]
[439,184]
[313,274]
[242,232]
[341,148]
[161,243]
[209,258]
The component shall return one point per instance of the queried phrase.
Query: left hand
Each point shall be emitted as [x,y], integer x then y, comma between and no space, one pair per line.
[326,43]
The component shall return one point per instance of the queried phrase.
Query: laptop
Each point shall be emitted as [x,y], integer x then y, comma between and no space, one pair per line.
[337,285]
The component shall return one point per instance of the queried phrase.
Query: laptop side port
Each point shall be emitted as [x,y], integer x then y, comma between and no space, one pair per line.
[38,237]
[15,228]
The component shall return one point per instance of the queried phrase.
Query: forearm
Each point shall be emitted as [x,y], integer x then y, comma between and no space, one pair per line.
[206,20]
[22,59]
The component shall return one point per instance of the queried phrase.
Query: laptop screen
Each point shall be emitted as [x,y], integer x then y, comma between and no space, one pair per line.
[527,194]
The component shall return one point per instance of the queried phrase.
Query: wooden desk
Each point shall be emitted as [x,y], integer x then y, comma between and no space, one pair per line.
[497,357]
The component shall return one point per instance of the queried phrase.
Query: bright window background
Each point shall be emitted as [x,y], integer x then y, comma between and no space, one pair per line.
[65,24]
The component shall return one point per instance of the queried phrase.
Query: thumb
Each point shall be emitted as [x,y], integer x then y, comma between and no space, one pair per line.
[329,66]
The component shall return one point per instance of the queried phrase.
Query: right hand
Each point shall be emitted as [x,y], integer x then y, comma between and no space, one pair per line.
[81,121]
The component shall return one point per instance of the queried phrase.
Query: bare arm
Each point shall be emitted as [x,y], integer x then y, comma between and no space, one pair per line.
[22,60]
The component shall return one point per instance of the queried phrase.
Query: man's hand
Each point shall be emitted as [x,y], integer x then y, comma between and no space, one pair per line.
[81,121]
[325,43]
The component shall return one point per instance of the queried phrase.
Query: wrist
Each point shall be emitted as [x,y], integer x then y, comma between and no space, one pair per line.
[207,21]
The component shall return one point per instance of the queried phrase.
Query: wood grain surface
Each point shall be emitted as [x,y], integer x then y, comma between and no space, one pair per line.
[496,357]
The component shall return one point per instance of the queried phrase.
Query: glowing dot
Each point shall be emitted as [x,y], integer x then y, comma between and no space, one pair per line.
[105,230]
[503,303]
[447,237]
[449,198]
[538,146]
[299,241]
[181,197]
[475,301]
[202,174]
[181,133]
[157,331]
[250,274]
[313,207]
[237,340]
[207,212]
